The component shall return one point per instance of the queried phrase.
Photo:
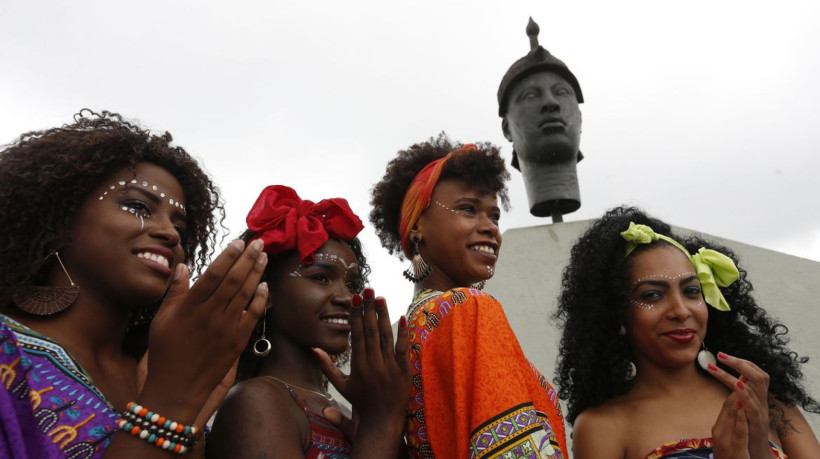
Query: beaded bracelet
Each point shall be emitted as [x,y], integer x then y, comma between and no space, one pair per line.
[157,430]
[152,433]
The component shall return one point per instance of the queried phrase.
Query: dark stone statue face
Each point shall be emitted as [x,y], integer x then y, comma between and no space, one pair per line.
[543,119]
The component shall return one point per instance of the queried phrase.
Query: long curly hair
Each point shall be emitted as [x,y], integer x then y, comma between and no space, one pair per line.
[592,307]
[249,363]
[45,176]
[484,171]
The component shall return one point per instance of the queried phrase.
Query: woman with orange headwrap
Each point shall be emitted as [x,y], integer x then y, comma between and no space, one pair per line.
[474,393]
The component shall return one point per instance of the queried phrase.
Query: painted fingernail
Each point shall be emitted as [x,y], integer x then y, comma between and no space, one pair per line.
[178,270]
[740,385]
[721,355]
[402,322]
[712,366]
[739,405]
[357,301]
[369,294]
[257,244]
[381,303]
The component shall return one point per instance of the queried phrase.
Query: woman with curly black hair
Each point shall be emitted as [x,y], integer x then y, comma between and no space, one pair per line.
[317,274]
[641,309]
[101,223]
[474,392]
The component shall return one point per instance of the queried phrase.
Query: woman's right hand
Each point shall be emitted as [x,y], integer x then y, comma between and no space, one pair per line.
[730,433]
[198,333]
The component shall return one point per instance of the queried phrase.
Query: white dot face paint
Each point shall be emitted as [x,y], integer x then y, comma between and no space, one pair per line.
[670,279]
[347,269]
[124,184]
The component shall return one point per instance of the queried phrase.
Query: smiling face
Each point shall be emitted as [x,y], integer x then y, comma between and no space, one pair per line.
[310,304]
[666,314]
[125,238]
[543,119]
[460,237]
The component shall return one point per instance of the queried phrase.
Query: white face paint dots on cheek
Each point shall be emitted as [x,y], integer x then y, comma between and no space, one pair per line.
[137,208]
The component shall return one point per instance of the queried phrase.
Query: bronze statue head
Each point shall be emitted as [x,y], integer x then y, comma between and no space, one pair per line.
[538,99]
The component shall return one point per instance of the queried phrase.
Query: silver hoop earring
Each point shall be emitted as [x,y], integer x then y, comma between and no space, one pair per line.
[631,371]
[262,347]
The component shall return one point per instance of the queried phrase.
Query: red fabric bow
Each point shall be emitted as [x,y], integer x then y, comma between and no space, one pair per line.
[284,222]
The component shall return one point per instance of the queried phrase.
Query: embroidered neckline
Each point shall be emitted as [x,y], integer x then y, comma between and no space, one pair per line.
[35,340]
[419,298]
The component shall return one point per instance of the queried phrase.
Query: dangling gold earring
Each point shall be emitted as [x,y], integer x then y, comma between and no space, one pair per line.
[262,347]
[46,300]
[418,270]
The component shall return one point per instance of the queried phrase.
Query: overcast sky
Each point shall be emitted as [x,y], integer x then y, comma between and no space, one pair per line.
[702,112]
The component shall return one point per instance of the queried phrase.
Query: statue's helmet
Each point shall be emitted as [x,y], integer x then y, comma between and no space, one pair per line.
[538,59]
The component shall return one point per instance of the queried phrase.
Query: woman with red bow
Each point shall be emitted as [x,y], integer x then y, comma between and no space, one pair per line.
[318,307]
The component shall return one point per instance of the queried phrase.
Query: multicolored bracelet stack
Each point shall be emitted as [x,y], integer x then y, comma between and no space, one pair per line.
[157,430]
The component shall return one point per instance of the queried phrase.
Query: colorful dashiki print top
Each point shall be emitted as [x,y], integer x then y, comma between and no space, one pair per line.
[326,440]
[49,407]
[475,395]
[696,448]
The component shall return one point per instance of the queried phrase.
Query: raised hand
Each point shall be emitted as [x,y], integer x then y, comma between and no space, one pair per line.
[730,433]
[752,391]
[379,383]
[198,333]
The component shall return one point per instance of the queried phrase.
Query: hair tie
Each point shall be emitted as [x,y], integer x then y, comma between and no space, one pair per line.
[713,268]
[285,222]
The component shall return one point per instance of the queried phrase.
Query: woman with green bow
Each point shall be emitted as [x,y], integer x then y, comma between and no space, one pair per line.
[641,309]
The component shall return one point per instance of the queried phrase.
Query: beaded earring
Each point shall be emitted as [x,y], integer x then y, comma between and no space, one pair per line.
[419,269]
[46,300]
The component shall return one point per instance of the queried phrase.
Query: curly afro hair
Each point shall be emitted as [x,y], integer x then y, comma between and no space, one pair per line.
[249,363]
[593,302]
[484,171]
[46,175]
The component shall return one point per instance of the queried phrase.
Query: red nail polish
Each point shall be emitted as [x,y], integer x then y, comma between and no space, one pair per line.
[381,304]
[357,300]
[712,367]
[721,355]
[739,405]
[369,294]
[402,322]
[740,385]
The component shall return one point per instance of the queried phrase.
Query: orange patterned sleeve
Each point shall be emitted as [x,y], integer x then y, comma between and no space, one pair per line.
[475,394]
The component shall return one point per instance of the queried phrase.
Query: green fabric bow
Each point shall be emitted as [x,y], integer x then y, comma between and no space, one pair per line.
[713,268]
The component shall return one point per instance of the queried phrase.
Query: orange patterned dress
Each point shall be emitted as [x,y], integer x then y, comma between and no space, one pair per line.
[475,395]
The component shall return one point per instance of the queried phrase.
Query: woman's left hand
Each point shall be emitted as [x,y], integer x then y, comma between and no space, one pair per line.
[379,383]
[753,388]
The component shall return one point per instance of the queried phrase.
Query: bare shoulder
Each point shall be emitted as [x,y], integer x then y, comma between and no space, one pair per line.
[797,438]
[258,419]
[600,432]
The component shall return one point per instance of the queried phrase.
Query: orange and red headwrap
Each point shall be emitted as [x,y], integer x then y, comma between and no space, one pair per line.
[418,194]
[286,222]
